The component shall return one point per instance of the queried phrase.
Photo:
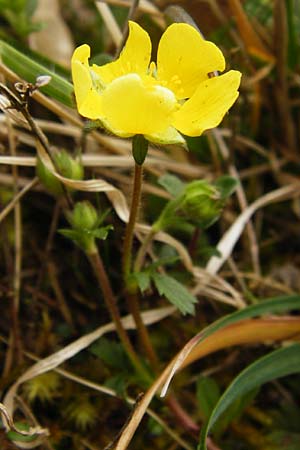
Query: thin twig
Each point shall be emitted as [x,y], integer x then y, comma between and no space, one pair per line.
[18,252]
[6,210]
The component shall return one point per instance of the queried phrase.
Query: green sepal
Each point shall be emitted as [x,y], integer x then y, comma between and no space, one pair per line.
[171,184]
[139,148]
[226,186]
[85,239]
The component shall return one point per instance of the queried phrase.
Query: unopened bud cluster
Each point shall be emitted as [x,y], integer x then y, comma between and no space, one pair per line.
[83,217]
[66,165]
[199,203]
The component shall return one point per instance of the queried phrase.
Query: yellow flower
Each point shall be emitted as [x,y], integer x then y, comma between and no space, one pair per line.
[160,101]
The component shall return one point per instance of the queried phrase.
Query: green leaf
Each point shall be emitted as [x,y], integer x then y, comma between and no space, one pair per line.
[59,88]
[142,279]
[164,261]
[279,439]
[111,353]
[175,292]
[171,184]
[101,233]
[226,186]
[293,36]
[75,235]
[118,383]
[279,363]
[207,393]
[83,238]
[17,437]
[234,411]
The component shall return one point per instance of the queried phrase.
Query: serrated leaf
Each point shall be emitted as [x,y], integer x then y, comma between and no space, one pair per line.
[142,279]
[171,184]
[175,292]
[279,363]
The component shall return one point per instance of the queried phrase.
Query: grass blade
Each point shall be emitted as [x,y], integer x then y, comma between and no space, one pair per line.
[279,363]
[59,87]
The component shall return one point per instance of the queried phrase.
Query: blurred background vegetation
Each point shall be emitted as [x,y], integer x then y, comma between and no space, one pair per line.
[49,297]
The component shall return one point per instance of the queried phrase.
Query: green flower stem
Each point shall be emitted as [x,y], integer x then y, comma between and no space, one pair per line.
[128,240]
[143,250]
[109,298]
[132,298]
[131,290]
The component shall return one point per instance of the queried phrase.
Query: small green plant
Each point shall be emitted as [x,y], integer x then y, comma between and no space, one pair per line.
[18,14]
[43,388]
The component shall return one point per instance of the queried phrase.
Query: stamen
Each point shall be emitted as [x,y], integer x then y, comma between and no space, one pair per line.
[97,82]
[153,70]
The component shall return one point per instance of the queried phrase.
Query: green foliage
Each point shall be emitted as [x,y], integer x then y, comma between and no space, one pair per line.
[281,439]
[226,186]
[199,202]
[175,292]
[279,363]
[18,14]
[29,68]
[255,132]
[17,437]
[207,393]
[81,412]
[86,225]
[143,280]
[111,353]
[234,411]
[171,184]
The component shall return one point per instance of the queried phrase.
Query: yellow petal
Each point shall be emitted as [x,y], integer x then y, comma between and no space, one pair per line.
[87,99]
[134,58]
[169,136]
[184,59]
[131,107]
[208,105]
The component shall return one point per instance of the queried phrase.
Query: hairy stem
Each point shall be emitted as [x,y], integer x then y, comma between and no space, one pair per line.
[128,240]
[109,298]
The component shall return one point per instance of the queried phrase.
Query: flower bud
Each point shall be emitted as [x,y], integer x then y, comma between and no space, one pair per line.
[67,167]
[83,217]
[201,203]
